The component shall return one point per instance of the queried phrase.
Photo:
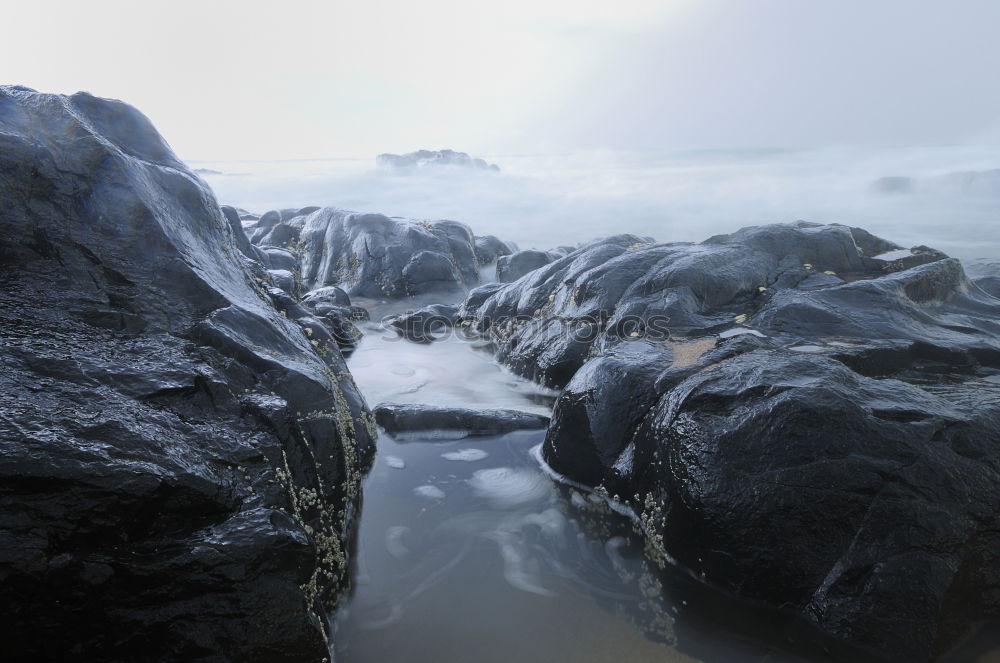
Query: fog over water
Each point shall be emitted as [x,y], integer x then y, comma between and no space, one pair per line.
[944,197]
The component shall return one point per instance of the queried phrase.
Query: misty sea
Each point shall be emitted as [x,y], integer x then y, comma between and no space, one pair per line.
[947,198]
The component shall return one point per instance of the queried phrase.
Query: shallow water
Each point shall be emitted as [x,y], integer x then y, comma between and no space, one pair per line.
[469,551]
[448,372]
[487,559]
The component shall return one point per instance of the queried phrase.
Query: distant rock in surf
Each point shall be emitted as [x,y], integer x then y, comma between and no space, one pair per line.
[421,159]
[962,182]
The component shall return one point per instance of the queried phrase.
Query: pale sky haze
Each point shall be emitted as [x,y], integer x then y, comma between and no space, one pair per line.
[299,79]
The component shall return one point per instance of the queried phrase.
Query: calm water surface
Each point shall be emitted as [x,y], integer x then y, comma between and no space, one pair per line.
[469,551]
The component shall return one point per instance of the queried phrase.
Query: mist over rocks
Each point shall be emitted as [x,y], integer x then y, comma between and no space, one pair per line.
[432,159]
[182,443]
[965,183]
[792,418]
[371,255]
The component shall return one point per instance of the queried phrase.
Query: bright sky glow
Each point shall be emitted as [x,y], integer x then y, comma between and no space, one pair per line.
[299,79]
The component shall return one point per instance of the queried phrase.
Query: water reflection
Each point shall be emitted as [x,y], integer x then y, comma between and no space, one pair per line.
[490,560]
[469,551]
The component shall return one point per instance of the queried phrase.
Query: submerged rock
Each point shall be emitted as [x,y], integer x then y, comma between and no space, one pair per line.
[793,420]
[460,422]
[181,444]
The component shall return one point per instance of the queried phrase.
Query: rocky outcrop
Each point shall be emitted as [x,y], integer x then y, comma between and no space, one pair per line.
[425,324]
[182,444]
[422,159]
[512,266]
[372,255]
[401,418]
[369,255]
[791,419]
[489,248]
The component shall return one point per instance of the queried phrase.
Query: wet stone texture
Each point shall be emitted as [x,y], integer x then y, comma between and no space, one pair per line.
[181,444]
[794,419]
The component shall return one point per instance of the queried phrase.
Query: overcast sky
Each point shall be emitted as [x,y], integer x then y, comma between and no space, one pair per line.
[250,79]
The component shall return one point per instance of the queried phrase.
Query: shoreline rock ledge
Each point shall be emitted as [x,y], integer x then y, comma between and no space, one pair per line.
[181,444]
[792,418]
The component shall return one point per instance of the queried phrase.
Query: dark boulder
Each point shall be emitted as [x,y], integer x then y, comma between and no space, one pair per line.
[426,324]
[511,267]
[276,258]
[790,418]
[333,306]
[282,235]
[399,419]
[285,280]
[327,297]
[489,248]
[372,255]
[180,446]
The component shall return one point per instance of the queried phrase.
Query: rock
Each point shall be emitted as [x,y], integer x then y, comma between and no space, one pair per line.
[966,183]
[236,224]
[399,419]
[371,255]
[285,280]
[426,324]
[333,306]
[511,267]
[488,248]
[985,273]
[276,258]
[893,184]
[326,298]
[281,235]
[179,461]
[432,159]
[791,419]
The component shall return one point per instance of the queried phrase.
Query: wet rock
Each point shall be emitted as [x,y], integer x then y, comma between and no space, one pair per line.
[333,306]
[985,273]
[376,256]
[793,420]
[281,235]
[322,299]
[285,280]
[276,258]
[181,444]
[426,324]
[247,249]
[512,267]
[399,419]
[489,248]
